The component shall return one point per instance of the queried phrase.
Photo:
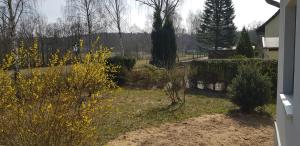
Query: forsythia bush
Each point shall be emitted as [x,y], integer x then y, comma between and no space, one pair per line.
[57,105]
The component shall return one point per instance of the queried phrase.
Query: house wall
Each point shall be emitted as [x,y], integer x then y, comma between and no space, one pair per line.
[288,109]
[271,29]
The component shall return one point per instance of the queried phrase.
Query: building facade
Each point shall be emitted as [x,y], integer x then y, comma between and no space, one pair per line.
[269,33]
[288,100]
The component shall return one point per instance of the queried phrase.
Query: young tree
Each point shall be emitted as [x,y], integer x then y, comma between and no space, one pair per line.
[217,28]
[115,10]
[244,46]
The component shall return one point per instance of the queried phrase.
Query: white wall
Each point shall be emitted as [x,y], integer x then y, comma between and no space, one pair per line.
[288,80]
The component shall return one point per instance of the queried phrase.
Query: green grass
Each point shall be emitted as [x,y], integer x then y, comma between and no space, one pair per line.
[141,62]
[135,109]
[273,55]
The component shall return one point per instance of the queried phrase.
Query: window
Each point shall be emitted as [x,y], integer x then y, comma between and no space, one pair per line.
[289,58]
[289,49]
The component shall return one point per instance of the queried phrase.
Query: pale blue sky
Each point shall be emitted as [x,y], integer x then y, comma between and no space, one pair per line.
[247,11]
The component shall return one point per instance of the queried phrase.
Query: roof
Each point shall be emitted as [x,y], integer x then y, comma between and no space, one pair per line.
[271,42]
[261,29]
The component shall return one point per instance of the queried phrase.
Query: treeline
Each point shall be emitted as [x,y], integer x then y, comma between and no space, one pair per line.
[21,24]
[137,45]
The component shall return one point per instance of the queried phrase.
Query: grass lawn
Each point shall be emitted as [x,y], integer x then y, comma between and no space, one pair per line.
[141,62]
[134,109]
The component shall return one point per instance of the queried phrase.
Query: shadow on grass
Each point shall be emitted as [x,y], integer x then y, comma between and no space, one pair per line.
[207,93]
[254,119]
[164,113]
[170,108]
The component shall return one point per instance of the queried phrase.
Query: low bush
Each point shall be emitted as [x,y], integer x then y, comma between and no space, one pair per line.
[125,65]
[147,76]
[250,88]
[123,62]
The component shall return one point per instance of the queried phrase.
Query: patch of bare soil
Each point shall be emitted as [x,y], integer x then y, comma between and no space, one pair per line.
[210,130]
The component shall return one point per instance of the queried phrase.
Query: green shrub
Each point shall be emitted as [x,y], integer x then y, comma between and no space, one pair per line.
[123,62]
[147,76]
[250,88]
[125,65]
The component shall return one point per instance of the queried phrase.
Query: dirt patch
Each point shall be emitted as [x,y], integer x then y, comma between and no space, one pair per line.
[211,130]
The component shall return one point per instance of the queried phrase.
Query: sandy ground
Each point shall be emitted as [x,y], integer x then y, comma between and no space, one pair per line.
[211,130]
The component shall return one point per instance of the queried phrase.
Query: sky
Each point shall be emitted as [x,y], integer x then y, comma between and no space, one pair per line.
[247,11]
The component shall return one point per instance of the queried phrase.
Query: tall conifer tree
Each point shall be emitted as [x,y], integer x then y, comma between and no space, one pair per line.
[164,47]
[169,44]
[156,36]
[217,28]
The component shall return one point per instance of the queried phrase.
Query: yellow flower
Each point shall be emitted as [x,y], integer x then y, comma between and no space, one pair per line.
[49,107]
[81,43]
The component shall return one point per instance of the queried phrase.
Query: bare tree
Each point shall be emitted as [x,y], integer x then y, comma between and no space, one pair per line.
[177,21]
[193,22]
[148,23]
[13,10]
[167,7]
[3,37]
[116,9]
[88,10]
[27,26]
[76,29]
[40,32]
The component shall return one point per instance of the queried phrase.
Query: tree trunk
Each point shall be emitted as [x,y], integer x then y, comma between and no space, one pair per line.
[13,47]
[89,34]
[121,40]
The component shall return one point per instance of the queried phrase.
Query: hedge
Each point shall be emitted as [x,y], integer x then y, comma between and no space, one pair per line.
[221,54]
[125,64]
[224,70]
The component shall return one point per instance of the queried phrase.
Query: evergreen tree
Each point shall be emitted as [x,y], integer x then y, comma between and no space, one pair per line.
[217,28]
[229,28]
[164,47]
[244,46]
[156,36]
[169,44]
